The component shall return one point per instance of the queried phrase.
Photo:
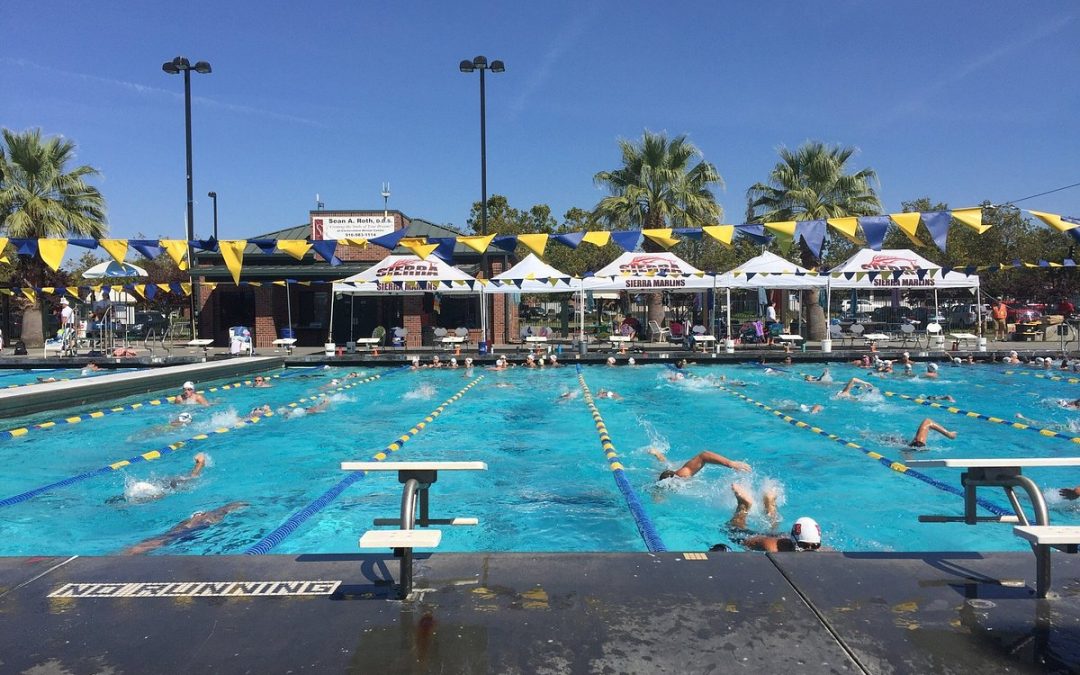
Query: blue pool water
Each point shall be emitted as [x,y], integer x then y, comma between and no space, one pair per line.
[548,486]
[10,378]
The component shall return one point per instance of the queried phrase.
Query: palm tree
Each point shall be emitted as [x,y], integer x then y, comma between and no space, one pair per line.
[40,197]
[659,185]
[812,183]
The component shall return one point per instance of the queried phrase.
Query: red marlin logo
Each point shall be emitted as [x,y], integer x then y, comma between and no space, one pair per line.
[891,262]
[650,264]
[409,268]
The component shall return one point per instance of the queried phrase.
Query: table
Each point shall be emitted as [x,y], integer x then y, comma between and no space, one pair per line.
[789,337]
[537,342]
[1005,473]
[705,340]
[287,343]
[963,337]
[876,337]
[202,342]
[619,341]
[451,341]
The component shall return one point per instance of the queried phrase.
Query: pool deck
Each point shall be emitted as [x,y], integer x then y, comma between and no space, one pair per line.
[543,613]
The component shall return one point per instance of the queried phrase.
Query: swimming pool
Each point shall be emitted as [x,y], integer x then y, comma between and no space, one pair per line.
[10,378]
[548,486]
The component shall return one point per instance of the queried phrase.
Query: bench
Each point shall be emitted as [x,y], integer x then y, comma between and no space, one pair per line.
[287,343]
[202,343]
[367,344]
[1042,538]
[706,341]
[619,342]
[963,337]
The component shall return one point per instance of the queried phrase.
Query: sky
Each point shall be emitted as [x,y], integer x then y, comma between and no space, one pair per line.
[954,101]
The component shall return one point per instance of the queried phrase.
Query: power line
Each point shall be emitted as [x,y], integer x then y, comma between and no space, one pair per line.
[1048,192]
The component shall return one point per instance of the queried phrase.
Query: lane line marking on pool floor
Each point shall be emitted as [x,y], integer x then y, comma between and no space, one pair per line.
[8,434]
[267,543]
[1042,431]
[1055,378]
[881,459]
[195,589]
[644,524]
[167,450]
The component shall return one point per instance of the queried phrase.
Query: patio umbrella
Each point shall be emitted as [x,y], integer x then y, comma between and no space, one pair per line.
[113,270]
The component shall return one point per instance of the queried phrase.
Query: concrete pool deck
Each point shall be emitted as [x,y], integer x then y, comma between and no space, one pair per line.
[542,613]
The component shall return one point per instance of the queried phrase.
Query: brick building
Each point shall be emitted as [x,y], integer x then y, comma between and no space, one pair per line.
[265,308]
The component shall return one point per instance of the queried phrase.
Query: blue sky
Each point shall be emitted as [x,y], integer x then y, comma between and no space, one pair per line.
[956,101]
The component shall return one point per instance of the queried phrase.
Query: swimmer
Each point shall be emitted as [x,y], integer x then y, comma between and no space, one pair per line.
[530,361]
[884,366]
[1070,493]
[569,395]
[553,361]
[319,407]
[940,397]
[189,396]
[182,420]
[415,363]
[697,463]
[931,371]
[812,409]
[611,360]
[851,385]
[198,521]
[91,368]
[823,377]
[905,358]
[260,382]
[453,362]
[805,534]
[261,411]
[908,370]
[631,362]
[468,362]
[682,363]
[863,362]
[607,393]
[676,376]
[970,360]
[787,359]
[1070,404]
[925,427]
[500,364]
[1013,357]
[196,470]
[436,362]
[142,491]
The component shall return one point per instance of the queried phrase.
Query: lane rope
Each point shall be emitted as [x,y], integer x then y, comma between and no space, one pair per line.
[165,451]
[1042,431]
[644,524]
[1055,378]
[881,459]
[267,543]
[8,434]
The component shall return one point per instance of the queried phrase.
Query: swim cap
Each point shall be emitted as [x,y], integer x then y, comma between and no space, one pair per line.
[956,361]
[631,360]
[906,354]
[554,358]
[806,531]
[530,357]
[453,360]
[1038,359]
[611,359]
[468,359]
[189,385]
[931,366]
[1012,353]
[184,417]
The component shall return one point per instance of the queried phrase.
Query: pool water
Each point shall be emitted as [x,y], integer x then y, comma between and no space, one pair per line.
[548,486]
[10,378]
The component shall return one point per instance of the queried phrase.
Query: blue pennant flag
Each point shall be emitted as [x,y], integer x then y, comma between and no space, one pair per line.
[445,249]
[505,242]
[326,248]
[872,275]
[149,248]
[921,273]
[813,233]
[267,246]
[627,240]
[206,244]
[25,246]
[84,243]
[938,223]
[571,239]
[151,291]
[756,232]
[694,233]
[874,228]
[387,241]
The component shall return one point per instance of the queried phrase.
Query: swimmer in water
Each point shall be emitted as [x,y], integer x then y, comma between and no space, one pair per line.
[823,377]
[188,396]
[260,382]
[812,409]
[261,411]
[931,371]
[697,463]
[854,382]
[607,393]
[198,521]
[805,534]
[1070,493]
[91,368]
[925,427]
[152,490]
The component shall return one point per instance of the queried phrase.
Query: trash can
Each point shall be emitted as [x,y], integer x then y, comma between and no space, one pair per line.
[483,347]
[287,333]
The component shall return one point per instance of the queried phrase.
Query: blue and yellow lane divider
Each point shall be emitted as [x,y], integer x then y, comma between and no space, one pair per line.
[152,455]
[644,524]
[881,459]
[1041,376]
[8,434]
[1050,433]
[300,517]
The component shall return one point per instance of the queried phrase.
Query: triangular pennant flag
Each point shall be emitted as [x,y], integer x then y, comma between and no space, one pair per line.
[52,252]
[117,248]
[505,242]
[938,223]
[177,250]
[29,293]
[848,227]
[597,238]
[1055,221]
[972,218]
[570,239]
[908,224]
[91,244]
[420,249]
[750,275]
[693,233]
[784,228]
[326,248]
[477,243]
[294,248]
[874,229]
[267,246]
[921,273]
[167,288]
[3,246]
[896,274]
[661,236]
[534,242]
[813,233]
[357,243]
[627,240]
[388,241]
[849,275]
[210,244]
[859,276]
[445,248]
[149,248]
[149,291]
[755,231]
[25,246]
[872,275]
[721,233]
[784,243]
[232,251]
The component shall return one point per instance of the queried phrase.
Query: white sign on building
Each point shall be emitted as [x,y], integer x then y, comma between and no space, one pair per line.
[350,227]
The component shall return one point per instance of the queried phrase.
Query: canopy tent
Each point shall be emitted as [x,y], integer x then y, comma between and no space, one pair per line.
[767,270]
[644,272]
[114,270]
[531,275]
[899,268]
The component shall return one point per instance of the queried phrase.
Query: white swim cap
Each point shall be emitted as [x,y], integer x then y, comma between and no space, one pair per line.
[631,360]
[611,359]
[1012,353]
[554,358]
[956,360]
[468,359]
[1038,359]
[184,417]
[806,531]
[453,360]
[530,357]
[931,366]
[189,385]
[906,354]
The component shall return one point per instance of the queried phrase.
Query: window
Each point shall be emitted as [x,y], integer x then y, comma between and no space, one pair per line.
[458,311]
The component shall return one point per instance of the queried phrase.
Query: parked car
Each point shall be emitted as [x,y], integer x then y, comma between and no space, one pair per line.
[966,316]
[925,315]
[147,323]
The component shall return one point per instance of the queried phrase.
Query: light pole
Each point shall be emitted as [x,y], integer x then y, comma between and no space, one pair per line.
[466,66]
[175,67]
[213,195]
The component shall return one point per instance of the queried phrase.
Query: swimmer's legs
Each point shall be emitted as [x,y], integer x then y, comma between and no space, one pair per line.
[768,500]
[742,507]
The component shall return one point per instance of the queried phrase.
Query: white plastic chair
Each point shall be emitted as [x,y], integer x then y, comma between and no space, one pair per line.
[240,340]
[933,332]
[399,336]
[657,333]
[856,330]
[907,333]
[837,334]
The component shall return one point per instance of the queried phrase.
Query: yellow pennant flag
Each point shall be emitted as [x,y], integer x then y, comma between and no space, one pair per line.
[358,243]
[478,244]
[597,238]
[908,224]
[117,248]
[30,295]
[1054,221]
[140,289]
[177,250]
[3,246]
[661,236]
[721,233]
[232,251]
[185,287]
[285,283]
[534,242]
[296,248]
[849,227]
[972,218]
[783,229]
[419,248]
[52,252]
[164,288]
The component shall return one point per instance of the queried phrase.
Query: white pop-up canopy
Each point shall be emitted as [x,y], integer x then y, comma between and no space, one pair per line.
[531,275]
[407,274]
[769,270]
[644,272]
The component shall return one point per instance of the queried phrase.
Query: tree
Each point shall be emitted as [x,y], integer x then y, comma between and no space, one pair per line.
[813,183]
[657,186]
[40,196]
